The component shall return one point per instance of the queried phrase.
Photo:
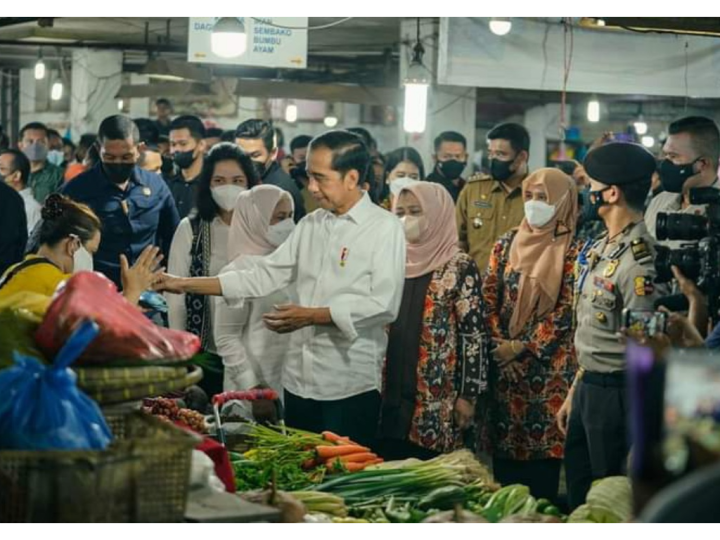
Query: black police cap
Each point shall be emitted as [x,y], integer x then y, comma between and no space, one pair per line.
[620,163]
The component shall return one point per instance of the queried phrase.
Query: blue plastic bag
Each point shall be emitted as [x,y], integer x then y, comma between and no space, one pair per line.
[154,304]
[43,409]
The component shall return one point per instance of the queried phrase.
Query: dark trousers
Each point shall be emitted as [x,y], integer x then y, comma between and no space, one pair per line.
[597,442]
[355,417]
[393,450]
[213,375]
[542,476]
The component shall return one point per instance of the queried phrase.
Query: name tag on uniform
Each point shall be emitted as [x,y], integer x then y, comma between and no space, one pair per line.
[604,284]
[482,204]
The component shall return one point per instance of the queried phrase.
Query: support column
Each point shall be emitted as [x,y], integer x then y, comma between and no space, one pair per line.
[543,124]
[96,78]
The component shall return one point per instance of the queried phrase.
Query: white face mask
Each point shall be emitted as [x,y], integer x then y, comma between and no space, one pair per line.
[82,261]
[278,233]
[538,213]
[413,228]
[226,196]
[397,185]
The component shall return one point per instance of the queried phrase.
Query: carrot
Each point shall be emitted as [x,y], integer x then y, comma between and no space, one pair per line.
[328,452]
[355,467]
[329,436]
[362,457]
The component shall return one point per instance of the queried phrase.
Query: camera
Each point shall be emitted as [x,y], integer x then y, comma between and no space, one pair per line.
[688,226]
[687,259]
[698,261]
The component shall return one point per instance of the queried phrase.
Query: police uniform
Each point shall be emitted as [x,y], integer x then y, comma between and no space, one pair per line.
[613,274]
[486,211]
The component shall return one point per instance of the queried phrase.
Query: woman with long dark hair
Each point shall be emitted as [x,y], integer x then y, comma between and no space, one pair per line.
[200,245]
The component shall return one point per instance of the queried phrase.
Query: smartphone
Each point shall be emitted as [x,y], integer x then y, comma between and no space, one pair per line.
[692,410]
[645,322]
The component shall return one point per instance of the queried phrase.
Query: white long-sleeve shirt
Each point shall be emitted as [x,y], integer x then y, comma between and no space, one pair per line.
[179,265]
[354,265]
[244,342]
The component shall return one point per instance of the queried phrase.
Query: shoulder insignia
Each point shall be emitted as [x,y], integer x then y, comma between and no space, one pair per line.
[640,249]
[479,177]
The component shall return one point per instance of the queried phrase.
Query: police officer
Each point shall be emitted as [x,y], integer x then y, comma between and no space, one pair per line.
[615,273]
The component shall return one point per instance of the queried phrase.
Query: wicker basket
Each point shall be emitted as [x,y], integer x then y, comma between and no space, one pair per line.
[102,378]
[110,395]
[142,477]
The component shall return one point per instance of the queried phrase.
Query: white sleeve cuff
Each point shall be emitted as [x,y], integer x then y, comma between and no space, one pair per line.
[343,320]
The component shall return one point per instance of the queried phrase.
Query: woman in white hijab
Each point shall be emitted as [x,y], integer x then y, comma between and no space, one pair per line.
[253,355]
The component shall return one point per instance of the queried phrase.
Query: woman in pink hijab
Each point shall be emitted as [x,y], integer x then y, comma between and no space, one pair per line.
[436,361]
[528,293]
[254,356]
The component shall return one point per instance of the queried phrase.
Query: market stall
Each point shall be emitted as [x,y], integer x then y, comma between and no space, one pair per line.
[98,443]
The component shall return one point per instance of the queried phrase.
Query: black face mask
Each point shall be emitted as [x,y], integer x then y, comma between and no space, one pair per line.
[451,169]
[591,210]
[673,177]
[184,160]
[261,168]
[118,173]
[500,170]
[299,172]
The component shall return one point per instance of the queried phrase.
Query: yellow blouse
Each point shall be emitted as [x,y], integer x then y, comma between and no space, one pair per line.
[39,278]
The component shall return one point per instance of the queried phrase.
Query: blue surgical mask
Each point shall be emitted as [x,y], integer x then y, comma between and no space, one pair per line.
[56,157]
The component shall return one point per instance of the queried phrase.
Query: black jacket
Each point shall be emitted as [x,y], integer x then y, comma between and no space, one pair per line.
[13,227]
[275,176]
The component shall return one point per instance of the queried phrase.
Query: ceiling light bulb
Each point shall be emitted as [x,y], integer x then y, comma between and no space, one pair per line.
[500,26]
[593,110]
[641,127]
[57,91]
[291,113]
[228,38]
[415,109]
[648,141]
[121,104]
[600,22]
[330,121]
[40,70]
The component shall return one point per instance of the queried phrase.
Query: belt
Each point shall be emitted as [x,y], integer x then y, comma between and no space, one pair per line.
[606,380]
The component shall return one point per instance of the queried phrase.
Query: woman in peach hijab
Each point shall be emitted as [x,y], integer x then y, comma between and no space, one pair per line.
[528,294]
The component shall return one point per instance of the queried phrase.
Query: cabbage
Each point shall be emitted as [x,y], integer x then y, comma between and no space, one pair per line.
[611,498]
[609,501]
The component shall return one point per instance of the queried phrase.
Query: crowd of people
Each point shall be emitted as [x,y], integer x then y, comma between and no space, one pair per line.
[406,307]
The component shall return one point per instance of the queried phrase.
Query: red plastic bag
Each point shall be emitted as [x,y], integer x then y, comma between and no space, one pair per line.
[125,333]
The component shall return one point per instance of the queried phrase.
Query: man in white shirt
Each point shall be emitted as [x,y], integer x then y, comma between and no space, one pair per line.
[347,260]
[692,151]
[15,172]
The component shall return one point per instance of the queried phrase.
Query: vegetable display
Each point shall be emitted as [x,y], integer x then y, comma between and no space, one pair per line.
[608,501]
[168,410]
